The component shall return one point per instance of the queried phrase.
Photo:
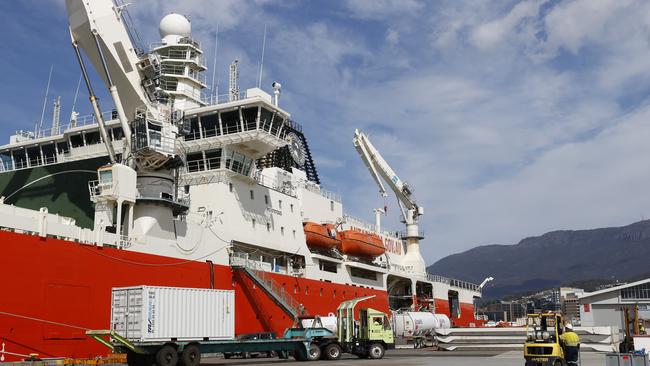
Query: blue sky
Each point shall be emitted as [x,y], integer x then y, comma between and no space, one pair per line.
[509,118]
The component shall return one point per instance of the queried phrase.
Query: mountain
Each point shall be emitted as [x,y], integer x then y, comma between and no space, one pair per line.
[553,259]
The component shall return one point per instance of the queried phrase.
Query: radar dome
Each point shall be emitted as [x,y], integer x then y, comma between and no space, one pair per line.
[175,25]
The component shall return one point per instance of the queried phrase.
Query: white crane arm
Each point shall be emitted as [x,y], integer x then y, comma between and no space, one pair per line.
[380,168]
[367,160]
[99,23]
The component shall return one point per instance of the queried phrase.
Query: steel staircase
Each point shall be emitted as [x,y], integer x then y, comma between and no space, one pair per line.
[254,271]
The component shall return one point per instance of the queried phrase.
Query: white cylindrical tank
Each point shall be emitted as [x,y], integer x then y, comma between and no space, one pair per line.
[416,323]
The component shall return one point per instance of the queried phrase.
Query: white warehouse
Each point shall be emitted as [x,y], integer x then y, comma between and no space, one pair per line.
[604,307]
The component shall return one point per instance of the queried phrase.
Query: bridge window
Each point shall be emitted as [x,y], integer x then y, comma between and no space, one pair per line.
[252,195]
[250,118]
[210,125]
[195,162]
[230,122]
[76,140]
[49,153]
[63,147]
[265,119]
[213,159]
[194,129]
[34,155]
[93,138]
[20,159]
[118,134]
[5,159]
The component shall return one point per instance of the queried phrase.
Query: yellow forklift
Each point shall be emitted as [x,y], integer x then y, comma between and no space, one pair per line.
[542,347]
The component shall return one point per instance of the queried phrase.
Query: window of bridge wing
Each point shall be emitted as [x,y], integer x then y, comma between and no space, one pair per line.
[63,147]
[210,124]
[265,120]
[250,118]
[93,138]
[213,159]
[195,162]
[230,122]
[77,140]
[5,160]
[20,158]
[238,163]
[194,129]
[49,153]
[118,134]
[34,155]
[276,124]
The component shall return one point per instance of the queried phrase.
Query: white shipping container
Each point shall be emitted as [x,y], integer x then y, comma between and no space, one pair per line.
[151,313]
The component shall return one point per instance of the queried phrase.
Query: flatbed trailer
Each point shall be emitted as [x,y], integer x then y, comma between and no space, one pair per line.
[188,352]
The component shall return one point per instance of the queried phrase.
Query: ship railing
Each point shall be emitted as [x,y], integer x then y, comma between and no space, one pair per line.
[181,56]
[79,121]
[181,41]
[271,127]
[361,224]
[453,282]
[212,99]
[323,192]
[241,259]
[405,235]
[284,186]
[177,70]
[97,188]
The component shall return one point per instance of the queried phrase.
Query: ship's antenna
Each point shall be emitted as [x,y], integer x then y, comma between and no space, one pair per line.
[259,82]
[214,89]
[56,116]
[47,91]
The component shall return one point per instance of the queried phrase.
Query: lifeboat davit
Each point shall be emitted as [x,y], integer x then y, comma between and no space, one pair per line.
[320,236]
[361,244]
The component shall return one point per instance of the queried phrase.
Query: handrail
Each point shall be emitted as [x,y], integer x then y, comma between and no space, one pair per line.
[241,259]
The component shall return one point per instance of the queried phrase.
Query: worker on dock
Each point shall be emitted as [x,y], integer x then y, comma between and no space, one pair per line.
[571,344]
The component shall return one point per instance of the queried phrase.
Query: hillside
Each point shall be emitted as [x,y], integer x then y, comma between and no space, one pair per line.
[553,259]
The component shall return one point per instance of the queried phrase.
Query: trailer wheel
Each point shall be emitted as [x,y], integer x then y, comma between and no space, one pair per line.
[191,356]
[376,351]
[333,351]
[167,356]
[314,352]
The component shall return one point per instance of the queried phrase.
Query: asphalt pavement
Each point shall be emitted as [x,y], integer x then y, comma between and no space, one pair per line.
[412,357]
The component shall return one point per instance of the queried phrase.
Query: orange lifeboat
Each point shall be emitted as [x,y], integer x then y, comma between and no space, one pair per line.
[320,236]
[360,244]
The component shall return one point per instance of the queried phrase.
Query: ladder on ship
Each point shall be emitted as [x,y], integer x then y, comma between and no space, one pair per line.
[263,279]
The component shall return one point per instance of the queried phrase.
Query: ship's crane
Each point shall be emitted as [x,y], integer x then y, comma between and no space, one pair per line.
[150,158]
[411,211]
[98,28]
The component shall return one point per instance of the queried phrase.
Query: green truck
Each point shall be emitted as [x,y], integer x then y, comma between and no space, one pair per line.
[368,337]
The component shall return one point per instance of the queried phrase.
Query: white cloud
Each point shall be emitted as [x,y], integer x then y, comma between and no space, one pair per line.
[490,34]
[392,36]
[382,9]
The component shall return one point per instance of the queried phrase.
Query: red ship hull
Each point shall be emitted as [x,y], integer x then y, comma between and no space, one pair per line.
[69,284]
